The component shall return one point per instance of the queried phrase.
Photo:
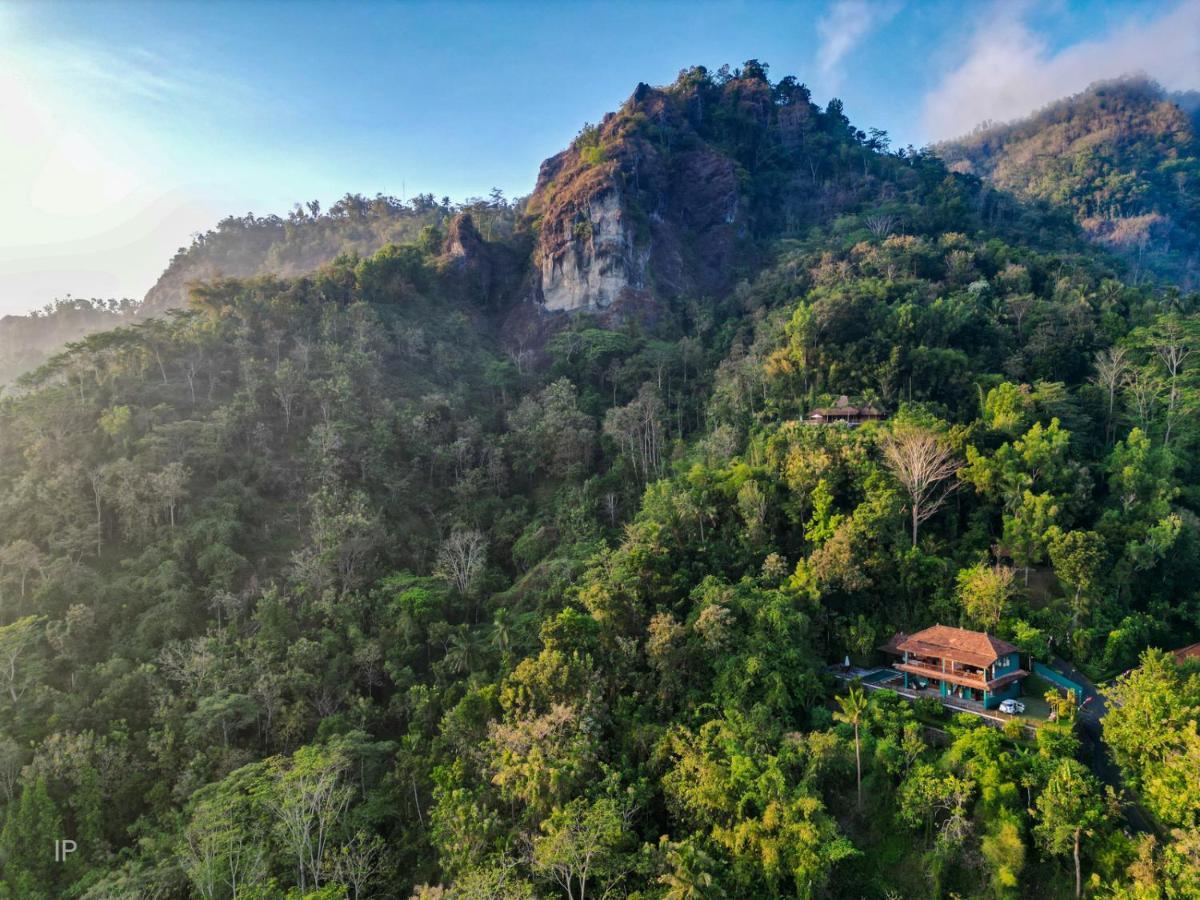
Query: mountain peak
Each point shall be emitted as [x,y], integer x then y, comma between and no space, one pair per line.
[1123,156]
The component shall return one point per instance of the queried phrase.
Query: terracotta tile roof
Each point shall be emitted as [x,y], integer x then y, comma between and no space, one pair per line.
[945,642]
[1184,654]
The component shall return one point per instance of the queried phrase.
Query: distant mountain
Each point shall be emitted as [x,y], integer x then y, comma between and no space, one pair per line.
[1123,155]
[246,246]
[249,246]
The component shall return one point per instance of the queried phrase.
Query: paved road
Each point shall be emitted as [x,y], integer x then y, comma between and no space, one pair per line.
[1095,753]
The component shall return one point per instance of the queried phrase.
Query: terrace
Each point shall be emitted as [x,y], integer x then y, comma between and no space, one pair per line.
[968,676]
[1036,713]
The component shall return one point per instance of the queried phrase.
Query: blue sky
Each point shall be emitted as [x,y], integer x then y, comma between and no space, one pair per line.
[129,126]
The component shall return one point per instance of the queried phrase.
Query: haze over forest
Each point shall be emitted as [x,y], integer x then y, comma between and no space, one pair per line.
[511,547]
[143,124]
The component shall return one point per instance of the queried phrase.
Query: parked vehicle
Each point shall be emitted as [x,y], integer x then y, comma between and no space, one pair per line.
[1012,707]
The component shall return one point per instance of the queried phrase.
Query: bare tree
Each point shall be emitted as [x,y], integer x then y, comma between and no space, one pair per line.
[924,463]
[610,506]
[170,485]
[638,428]
[461,559]
[881,225]
[577,843]
[216,854]
[23,556]
[308,800]
[1111,366]
[356,862]
[288,383]
[96,482]
[1173,350]
[11,761]
[1019,307]
[1143,386]
[16,640]
[192,365]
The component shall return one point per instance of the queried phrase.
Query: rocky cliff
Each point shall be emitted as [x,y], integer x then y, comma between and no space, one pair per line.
[673,195]
[471,267]
[638,207]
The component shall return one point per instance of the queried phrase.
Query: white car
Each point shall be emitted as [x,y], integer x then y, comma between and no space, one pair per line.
[1012,707]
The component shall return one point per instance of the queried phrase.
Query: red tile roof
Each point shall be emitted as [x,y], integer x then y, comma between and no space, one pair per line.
[944,642]
[1183,654]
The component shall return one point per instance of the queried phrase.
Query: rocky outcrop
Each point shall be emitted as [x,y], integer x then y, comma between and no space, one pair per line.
[591,259]
[637,210]
[463,240]
[474,269]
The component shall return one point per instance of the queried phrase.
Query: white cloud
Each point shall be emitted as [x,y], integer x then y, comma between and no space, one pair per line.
[1009,71]
[843,27]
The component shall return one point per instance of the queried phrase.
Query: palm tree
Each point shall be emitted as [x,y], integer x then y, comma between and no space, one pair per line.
[689,878]
[502,629]
[853,708]
[461,653]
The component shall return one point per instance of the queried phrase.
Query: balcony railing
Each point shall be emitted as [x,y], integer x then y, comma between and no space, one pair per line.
[954,676]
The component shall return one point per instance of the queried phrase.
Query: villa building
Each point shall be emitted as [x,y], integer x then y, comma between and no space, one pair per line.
[1187,654]
[843,413]
[970,665]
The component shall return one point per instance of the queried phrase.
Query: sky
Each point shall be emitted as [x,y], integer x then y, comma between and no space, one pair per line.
[127,127]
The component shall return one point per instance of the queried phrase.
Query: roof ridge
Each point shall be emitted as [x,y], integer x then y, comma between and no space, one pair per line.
[963,641]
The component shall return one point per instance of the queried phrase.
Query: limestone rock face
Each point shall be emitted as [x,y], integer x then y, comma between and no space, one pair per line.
[593,259]
[627,220]
[467,259]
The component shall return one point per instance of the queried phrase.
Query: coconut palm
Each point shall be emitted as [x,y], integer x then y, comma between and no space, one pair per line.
[852,709]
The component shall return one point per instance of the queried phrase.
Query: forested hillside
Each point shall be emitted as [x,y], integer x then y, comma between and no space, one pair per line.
[388,580]
[246,247]
[309,237]
[28,341]
[1123,156]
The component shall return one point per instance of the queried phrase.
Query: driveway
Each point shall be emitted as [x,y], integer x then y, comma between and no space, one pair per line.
[1094,751]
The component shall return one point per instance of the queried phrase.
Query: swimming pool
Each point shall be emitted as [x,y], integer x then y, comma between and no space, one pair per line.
[879,676]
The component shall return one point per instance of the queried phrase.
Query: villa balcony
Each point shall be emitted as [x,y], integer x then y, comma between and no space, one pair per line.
[936,673]
[965,677]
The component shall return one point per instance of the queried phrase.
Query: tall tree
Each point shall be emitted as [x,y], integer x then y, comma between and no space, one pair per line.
[579,842]
[1070,808]
[924,463]
[461,559]
[18,666]
[984,592]
[1078,558]
[27,844]
[853,706]
[1111,366]
[1173,343]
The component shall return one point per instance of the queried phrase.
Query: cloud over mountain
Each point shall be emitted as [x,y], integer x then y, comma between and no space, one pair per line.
[1010,70]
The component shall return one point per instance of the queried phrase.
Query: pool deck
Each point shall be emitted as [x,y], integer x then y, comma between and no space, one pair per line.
[896,684]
